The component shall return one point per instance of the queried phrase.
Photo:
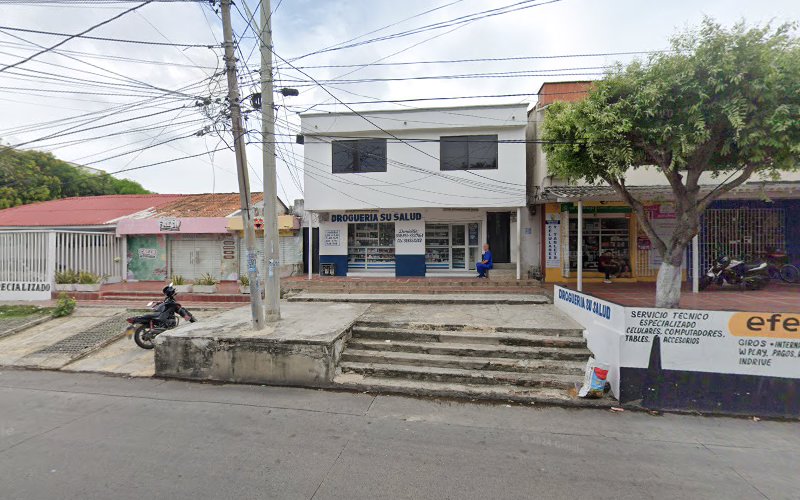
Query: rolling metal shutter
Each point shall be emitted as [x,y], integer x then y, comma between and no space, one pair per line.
[191,256]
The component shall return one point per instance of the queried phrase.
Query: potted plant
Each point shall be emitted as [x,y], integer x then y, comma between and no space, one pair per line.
[180,284]
[244,284]
[88,282]
[65,280]
[206,284]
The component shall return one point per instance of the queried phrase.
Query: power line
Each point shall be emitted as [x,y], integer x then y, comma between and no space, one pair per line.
[484,59]
[332,47]
[106,39]
[448,98]
[104,56]
[70,37]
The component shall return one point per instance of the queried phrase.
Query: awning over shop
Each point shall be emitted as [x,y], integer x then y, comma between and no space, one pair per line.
[753,189]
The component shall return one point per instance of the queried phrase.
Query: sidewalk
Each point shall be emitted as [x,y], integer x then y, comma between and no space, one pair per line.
[777,297]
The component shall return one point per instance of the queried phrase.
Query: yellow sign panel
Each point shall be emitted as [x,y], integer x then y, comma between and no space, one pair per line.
[771,325]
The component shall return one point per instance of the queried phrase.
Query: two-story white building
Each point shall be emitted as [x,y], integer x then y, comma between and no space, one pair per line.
[418,192]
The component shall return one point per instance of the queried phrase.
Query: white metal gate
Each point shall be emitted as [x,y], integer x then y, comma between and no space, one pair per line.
[741,233]
[23,256]
[192,256]
[98,253]
[290,254]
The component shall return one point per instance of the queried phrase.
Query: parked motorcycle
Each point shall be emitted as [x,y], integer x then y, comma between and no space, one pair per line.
[165,316]
[737,273]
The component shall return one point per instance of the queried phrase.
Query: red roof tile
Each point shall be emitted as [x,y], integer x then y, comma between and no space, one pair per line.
[203,205]
[82,211]
[100,210]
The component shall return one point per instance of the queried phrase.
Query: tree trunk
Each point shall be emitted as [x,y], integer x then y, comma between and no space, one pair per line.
[668,283]
[668,286]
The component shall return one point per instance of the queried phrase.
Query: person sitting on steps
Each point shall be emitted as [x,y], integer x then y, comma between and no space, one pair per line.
[486,262]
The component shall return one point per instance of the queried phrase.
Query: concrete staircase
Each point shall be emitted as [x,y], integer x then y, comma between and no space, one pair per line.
[523,365]
[428,286]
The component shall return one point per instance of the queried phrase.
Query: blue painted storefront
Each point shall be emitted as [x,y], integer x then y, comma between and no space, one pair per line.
[791,208]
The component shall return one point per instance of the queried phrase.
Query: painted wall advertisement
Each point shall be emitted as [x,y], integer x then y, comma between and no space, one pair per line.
[409,238]
[744,343]
[147,258]
[553,240]
[332,237]
[16,290]
[693,341]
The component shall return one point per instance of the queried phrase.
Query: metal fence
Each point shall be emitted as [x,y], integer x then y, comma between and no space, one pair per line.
[98,253]
[23,256]
[742,233]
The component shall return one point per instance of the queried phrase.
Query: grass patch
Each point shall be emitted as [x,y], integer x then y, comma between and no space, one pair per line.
[20,311]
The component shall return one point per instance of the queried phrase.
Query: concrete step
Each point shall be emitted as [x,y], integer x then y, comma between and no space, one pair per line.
[416,298]
[412,283]
[552,348]
[496,393]
[426,291]
[547,366]
[183,298]
[461,376]
[534,338]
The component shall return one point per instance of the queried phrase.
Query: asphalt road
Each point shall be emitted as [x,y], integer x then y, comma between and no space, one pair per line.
[82,436]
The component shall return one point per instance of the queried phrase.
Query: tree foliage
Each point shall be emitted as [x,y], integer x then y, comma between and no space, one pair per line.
[31,176]
[721,106]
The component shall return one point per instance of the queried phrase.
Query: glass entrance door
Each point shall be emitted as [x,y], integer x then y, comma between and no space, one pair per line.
[458,246]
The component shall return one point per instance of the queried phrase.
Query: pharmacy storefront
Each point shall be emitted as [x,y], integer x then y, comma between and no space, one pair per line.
[608,227]
[413,242]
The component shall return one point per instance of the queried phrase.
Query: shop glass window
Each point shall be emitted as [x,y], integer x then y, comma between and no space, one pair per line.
[468,152]
[370,246]
[358,156]
[599,235]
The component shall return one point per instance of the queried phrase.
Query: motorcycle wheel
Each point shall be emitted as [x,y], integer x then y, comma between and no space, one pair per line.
[790,273]
[139,336]
[704,282]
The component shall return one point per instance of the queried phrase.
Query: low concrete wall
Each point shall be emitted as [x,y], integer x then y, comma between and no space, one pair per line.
[303,349]
[741,363]
[249,361]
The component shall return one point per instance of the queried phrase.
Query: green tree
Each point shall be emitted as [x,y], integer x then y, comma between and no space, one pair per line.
[32,176]
[722,106]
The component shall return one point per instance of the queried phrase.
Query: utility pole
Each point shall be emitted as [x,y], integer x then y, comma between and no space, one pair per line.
[241,167]
[272,283]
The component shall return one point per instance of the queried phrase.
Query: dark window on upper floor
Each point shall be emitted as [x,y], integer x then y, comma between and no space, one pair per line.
[468,152]
[362,155]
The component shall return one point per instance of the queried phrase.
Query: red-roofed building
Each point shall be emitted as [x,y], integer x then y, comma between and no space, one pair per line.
[97,212]
[130,237]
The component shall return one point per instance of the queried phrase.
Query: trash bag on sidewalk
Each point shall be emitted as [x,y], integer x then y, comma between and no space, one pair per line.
[594,381]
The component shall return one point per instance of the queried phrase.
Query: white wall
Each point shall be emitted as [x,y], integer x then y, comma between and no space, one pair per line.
[413,177]
[643,176]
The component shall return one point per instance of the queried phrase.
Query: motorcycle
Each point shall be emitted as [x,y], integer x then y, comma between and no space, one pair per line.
[165,316]
[737,273]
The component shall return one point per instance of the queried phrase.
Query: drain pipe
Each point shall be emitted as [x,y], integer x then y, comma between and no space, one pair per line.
[695,264]
[580,245]
[310,243]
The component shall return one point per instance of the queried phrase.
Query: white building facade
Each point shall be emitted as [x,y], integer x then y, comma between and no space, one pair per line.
[418,192]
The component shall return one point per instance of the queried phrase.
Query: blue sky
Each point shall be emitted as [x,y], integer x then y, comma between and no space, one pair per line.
[563,27]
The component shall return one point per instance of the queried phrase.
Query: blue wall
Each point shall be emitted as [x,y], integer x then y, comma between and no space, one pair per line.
[339,260]
[409,265]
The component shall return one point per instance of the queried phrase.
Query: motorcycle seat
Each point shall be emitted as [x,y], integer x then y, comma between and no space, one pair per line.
[147,317]
[755,267]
